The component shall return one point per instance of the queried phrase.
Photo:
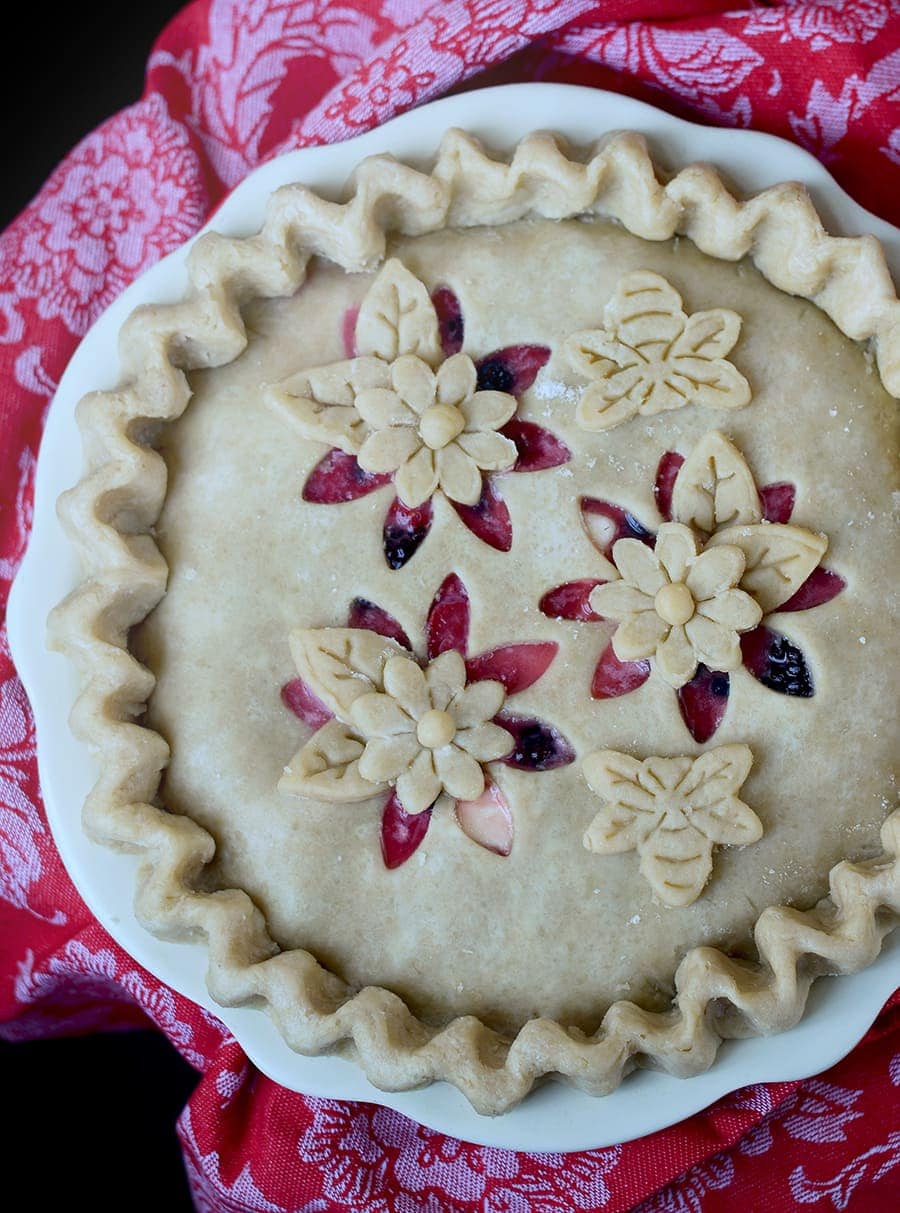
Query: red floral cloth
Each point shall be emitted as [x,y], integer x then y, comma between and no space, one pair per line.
[231,83]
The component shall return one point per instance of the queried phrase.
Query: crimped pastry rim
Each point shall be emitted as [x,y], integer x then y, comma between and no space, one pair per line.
[108,513]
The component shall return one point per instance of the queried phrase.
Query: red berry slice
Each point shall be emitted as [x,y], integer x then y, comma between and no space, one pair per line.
[488,519]
[669,467]
[613,677]
[571,601]
[447,625]
[365,614]
[820,586]
[401,832]
[512,369]
[777,663]
[405,531]
[606,524]
[338,477]
[703,701]
[297,696]
[538,448]
[487,820]
[517,666]
[777,501]
[537,746]
[450,320]
[348,331]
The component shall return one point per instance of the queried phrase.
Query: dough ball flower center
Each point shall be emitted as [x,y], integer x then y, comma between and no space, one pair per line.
[440,425]
[435,729]
[674,604]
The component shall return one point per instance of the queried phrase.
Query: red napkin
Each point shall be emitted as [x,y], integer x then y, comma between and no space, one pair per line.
[229,85]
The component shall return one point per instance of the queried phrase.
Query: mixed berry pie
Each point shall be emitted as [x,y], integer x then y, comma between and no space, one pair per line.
[489,617]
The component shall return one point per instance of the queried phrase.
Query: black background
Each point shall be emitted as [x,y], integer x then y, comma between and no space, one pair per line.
[88,1119]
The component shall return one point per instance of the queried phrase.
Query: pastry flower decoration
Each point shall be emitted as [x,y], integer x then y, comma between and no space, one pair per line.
[652,357]
[692,601]
[672,811]
[676,604]
[409,406]
[423,732]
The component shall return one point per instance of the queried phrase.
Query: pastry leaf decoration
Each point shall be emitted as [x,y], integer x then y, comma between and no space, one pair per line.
[652,357]
[397,317]
[411,407]
[340,664]
[424,731]
[673,812]
[779,559]
[691,600]
[714,487]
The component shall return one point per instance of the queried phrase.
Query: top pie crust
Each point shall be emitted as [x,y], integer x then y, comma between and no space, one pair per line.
[630,923]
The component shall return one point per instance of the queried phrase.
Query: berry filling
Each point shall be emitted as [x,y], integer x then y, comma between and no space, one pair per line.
[820,586]
[777,501]
[338,477]
[668,469]
[348,331]
[405,531]
[613,677]
[401,832]
[450,320]
[447,625]
[517,666]
[513,369]
[537,448]
[297,696]
[571,601]
[537,746]
[365,614]
[703,701]
[777,663]
[606,524]
[488,519]
[487,820]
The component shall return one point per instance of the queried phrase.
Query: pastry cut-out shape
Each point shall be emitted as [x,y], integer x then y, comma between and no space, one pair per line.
[652,357]
[425,732]
[412,407]
[691,600]
[673,812]
[677,604]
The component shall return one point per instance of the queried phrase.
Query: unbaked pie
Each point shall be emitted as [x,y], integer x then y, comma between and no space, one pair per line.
[488,625]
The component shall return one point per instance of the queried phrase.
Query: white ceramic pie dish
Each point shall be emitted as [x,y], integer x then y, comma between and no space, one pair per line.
[554,1117]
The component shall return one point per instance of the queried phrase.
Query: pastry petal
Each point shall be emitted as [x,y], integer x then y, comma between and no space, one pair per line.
[639,566]
[477,702]
[456,380]
[459,475]
[485,742]
[488,450]
[460,774]
[419,787]
[675,658]
[446,677]
[417,479]
[488,410]
[639,635]
[716,646]
[388,450]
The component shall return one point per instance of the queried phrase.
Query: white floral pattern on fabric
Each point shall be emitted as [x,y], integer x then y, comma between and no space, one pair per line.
[398,406]
[653,357]
[677,605]
[672,811]
[425,732]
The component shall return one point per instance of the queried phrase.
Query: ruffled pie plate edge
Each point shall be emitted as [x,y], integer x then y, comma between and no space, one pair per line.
[109,517]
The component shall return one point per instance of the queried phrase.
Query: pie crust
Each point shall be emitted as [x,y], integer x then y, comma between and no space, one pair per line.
[258,872]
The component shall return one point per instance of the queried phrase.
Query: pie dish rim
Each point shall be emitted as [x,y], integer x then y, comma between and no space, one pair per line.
[680,124]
